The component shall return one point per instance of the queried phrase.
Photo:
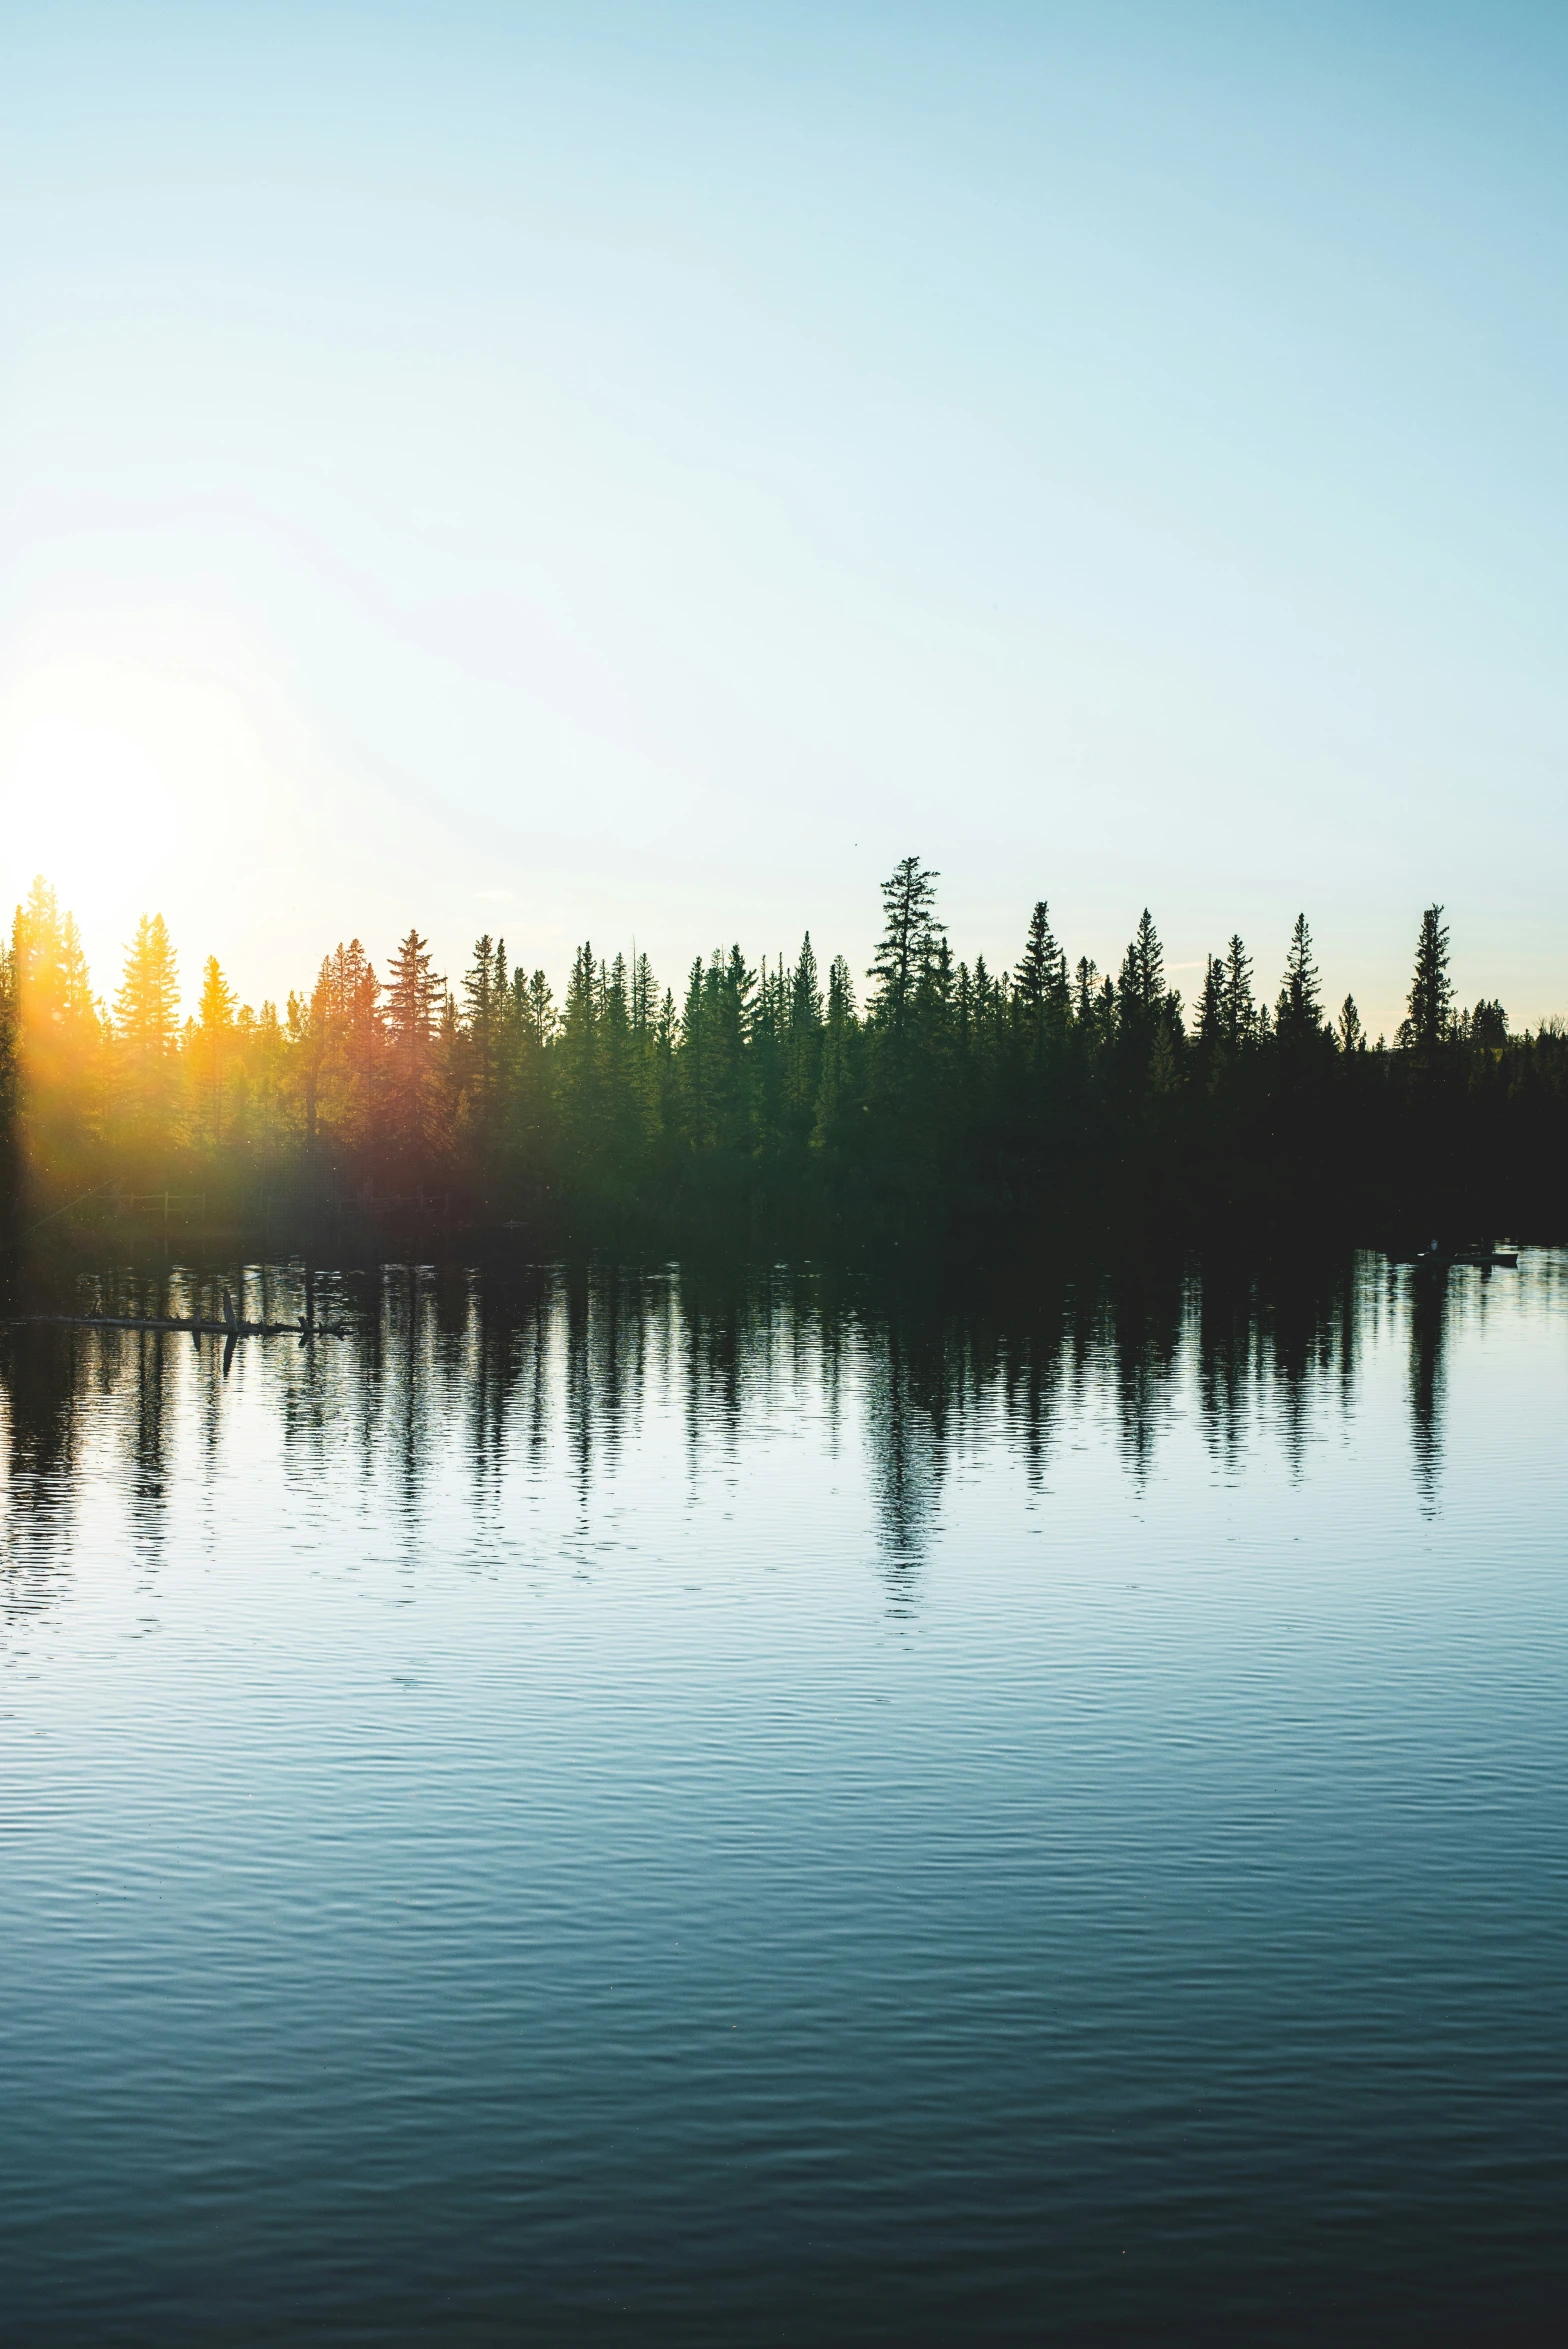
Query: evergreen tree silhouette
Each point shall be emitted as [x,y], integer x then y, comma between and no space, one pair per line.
[212,1055]
[910,931]
[1298,1013]
[414,1122]
[146,1035]
[1431,994]
[1240,1014]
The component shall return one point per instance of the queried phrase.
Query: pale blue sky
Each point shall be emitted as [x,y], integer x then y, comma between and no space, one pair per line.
[598,470]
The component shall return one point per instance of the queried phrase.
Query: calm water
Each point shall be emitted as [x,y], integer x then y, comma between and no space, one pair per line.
[617,1808]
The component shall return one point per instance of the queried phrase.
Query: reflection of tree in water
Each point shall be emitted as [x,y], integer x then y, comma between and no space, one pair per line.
[1030,1375]
[934,1381]
[1428,1331]
[1144,1325]
[1306,1331]
[504,1348]
[469,1372]
[1225,1335]
[149,1431]
[41,1373]
[606,1326]
[905,1426]
[715,1314]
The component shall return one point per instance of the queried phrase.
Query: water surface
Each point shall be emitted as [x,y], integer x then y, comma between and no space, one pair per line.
[618,1806]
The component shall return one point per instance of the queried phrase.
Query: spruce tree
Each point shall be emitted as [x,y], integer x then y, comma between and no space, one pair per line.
[910,931]
[1298,1013]
[1086,981]
[1431,994]
[416,1004]
[1240,1015]
[212,1052]
[10,1087]
[146,1032]
[1041,978]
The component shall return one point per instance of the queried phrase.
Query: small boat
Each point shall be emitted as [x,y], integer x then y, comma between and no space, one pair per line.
[1438,1259]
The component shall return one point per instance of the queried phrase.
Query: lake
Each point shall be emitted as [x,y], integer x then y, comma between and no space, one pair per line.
[625,1805]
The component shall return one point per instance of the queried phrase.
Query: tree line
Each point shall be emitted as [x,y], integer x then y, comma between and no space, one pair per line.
[934,1093]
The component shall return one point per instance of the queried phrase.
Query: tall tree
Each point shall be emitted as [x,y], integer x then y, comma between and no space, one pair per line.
[147,1033]
[477,1058]
[416,1000]
[1040,982]
[1431,992]
[910,931]
[57,1041]
[1240,1013]
[1298,1014]
[213,1057]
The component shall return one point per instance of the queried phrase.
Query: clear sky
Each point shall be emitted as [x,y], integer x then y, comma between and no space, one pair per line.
[606,471]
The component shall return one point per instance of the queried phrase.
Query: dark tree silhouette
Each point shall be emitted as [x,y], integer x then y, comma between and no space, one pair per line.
[764,1102]
[1431,995]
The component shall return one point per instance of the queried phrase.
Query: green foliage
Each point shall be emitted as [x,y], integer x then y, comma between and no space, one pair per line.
[910,931]
[957,1097]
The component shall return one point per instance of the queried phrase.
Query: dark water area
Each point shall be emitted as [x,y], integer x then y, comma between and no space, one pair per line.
[621,1805]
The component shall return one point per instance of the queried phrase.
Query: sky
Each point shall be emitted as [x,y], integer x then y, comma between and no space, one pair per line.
[634,472]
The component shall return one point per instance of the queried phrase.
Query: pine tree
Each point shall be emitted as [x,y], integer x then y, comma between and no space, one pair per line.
[836,1084]
[910,931]
[1352,1035]
[1298,1013]
[414,1125]
[147,1034]
[1431,994]
[10,1087]
[57,1043]
[1140,991]
[1140,987]
[1240,1015]
[212,1050]
[479,1072]
[1211,1004]
[1041,978]
[1086,987]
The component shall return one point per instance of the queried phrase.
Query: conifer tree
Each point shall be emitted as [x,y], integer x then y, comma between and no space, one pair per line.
[836,1084]
[1211,1004]
[1240,1015]
[1431,993]
[10,1087]
[1086,981]
[910,931]
[212,1050]
[57,1041]
[483,985]
[1298,1013]
[1040,981]
[147,1033]
[416,1003]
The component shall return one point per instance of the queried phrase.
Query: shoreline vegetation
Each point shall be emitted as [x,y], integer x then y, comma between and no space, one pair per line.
[933,1102]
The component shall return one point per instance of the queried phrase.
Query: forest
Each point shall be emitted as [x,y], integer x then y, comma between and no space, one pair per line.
[779,1102]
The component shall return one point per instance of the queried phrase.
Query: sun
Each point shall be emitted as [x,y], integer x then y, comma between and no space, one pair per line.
[133,765]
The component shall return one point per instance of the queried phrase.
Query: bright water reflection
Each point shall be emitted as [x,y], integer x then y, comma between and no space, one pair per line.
[626,1807]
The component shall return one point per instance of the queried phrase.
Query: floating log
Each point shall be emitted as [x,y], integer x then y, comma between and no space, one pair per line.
[231,1327]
